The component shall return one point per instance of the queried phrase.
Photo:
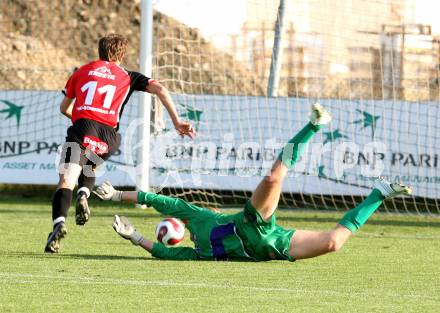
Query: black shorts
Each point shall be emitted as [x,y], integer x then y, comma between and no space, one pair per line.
[90,142]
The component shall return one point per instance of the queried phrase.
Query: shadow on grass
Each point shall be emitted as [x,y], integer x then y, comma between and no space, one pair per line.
[385,222]
[105,257]
[99,257]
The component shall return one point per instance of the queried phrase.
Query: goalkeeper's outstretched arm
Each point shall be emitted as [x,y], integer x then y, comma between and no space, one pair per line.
[106,191]
[160,251]
[169,206]
[127,231]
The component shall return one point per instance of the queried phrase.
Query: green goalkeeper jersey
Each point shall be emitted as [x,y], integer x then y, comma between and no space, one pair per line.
[241,236]
[214,238]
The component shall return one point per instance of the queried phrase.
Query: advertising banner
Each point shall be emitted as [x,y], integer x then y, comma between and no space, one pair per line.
[238,139]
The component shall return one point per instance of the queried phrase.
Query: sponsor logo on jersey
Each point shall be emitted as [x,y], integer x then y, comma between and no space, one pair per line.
[99,110]
[103,72]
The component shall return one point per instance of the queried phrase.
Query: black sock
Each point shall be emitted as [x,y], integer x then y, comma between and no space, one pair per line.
[85,182]
[61,203]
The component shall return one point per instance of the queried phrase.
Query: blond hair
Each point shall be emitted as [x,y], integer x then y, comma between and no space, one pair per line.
[112,47]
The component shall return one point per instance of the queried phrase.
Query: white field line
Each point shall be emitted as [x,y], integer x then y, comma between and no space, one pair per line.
[35,279]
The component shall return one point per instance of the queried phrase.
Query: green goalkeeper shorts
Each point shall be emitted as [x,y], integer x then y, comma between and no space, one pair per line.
[263,240]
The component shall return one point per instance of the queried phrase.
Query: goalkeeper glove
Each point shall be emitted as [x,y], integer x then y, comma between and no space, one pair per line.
[107,192]
[126,230]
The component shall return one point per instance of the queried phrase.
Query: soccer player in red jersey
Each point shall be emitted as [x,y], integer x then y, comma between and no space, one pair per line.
[95,96]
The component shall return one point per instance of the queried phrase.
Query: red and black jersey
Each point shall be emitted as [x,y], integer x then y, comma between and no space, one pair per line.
[101,89]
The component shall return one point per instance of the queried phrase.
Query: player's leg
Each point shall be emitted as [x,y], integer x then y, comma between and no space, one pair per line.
[70,170]
[86,182]
[308,244]
[266,196]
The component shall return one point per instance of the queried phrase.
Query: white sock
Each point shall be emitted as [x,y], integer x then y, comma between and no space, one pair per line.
[59,219]
[85,190]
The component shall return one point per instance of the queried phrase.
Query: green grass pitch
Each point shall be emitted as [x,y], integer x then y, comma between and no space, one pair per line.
[390,265]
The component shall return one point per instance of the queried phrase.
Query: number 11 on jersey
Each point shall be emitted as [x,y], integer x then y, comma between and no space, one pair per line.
[90,88]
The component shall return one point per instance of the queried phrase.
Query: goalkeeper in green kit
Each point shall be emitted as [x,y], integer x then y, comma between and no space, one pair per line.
[252,234]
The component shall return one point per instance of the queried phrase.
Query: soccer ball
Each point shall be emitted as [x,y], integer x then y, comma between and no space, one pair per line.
[170,231]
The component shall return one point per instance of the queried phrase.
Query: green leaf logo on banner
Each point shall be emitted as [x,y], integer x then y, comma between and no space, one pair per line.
[13,110]
[369,120]
[333,136]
